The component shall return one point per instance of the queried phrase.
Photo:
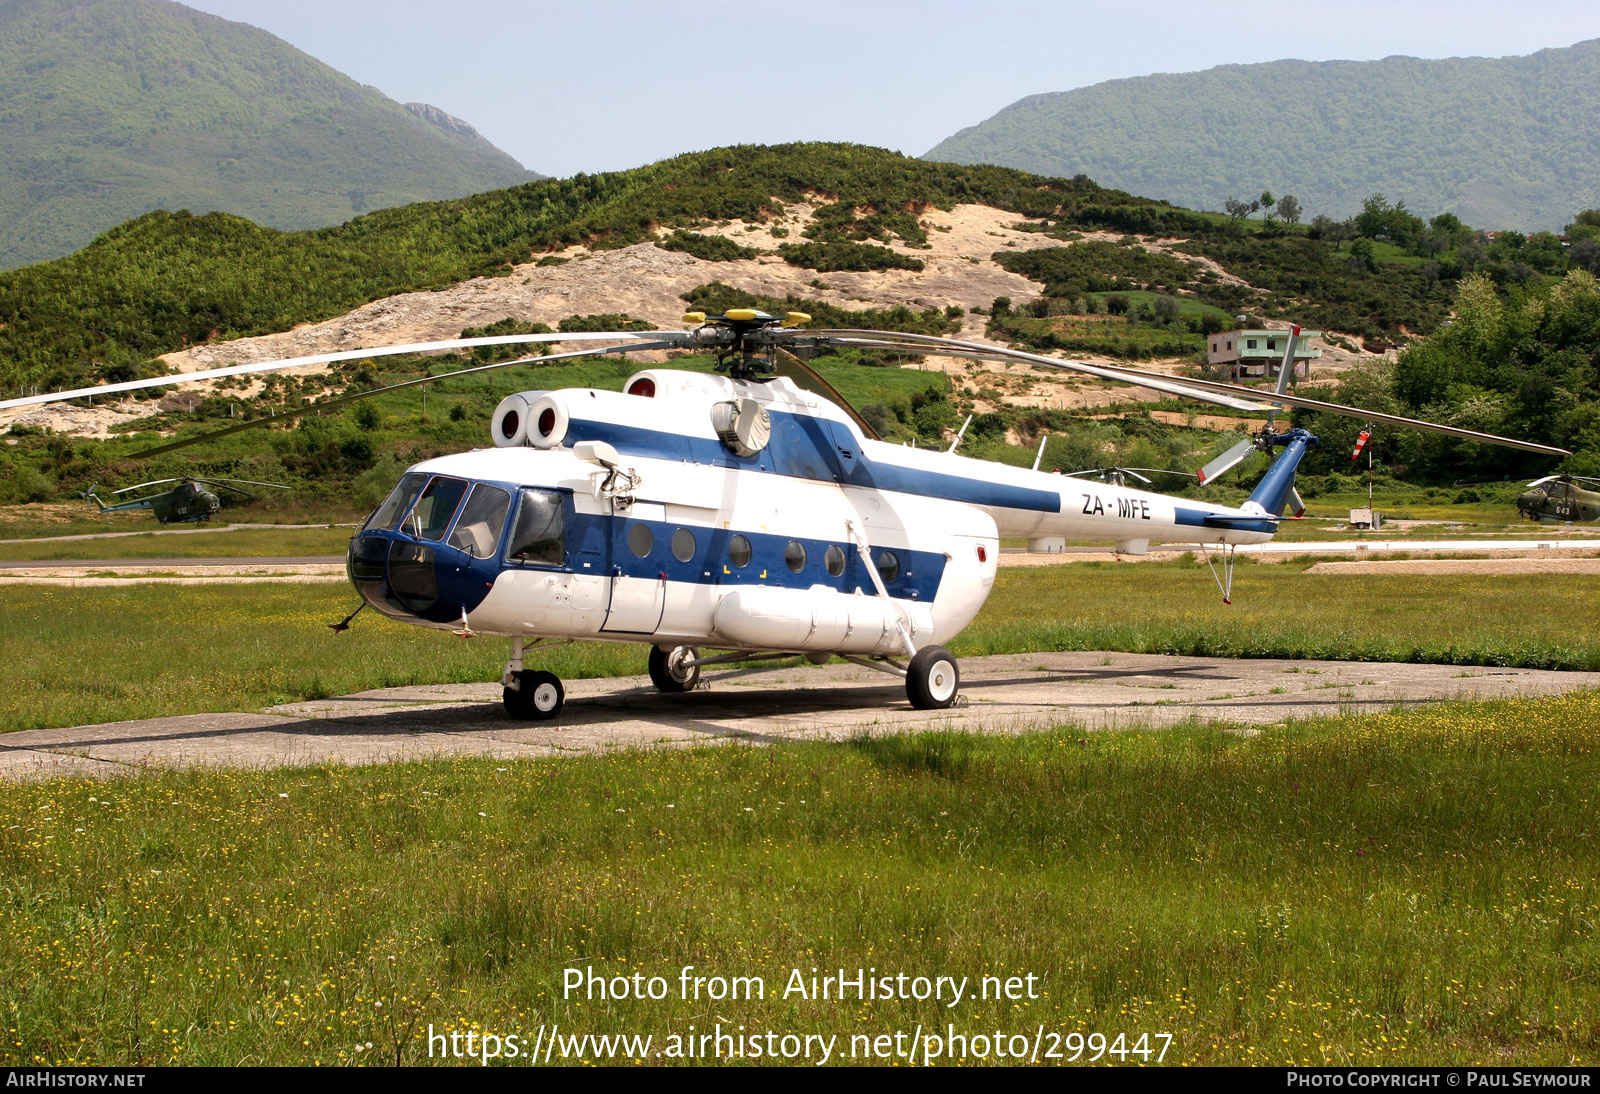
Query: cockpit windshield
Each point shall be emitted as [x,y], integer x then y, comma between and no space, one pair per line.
[434,509]
[387,518]
[482,520]
[474,515]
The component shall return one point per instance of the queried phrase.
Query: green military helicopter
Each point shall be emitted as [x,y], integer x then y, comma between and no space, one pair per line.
[1560,498]
[187,503]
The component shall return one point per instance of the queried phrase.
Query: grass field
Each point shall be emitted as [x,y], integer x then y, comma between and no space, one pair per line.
[1402,889]
[244,543]
[79,656]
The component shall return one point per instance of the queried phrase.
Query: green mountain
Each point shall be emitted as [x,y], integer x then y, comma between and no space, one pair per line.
[1511,142]
[112,108]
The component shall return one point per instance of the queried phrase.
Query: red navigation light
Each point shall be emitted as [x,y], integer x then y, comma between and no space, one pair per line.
[983,554]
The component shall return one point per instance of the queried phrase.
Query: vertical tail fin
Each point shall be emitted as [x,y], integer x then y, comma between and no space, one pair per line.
[1276,486]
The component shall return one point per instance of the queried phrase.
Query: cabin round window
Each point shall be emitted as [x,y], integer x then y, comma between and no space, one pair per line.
[833,560]
[739,551]
[794,556]
[641,540]
[683,545]
[888,565]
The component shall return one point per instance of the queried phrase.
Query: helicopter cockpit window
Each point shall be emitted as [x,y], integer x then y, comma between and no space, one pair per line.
[399,500]
[541,531]
[435,508]
[481,521]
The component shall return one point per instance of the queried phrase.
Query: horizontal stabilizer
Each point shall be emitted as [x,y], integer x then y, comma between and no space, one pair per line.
[1219,520]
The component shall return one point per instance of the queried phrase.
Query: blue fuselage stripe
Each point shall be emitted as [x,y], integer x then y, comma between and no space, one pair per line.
[598,544]
[818,449]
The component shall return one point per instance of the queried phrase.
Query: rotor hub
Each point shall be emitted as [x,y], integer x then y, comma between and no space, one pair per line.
[745,340]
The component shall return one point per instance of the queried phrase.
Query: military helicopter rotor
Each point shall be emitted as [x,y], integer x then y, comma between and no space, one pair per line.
[221,483]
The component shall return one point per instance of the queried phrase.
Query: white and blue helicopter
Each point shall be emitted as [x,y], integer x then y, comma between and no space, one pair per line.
[751,512]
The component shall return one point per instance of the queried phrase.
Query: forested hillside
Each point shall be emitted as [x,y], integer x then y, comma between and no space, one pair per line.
[1511,142]
[112,108]
[1521,360]
[164,281]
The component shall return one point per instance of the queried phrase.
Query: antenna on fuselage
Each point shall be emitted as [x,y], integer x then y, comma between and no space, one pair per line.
[1040,455]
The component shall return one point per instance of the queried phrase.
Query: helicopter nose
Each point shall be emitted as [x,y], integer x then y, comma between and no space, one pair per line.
[408,579]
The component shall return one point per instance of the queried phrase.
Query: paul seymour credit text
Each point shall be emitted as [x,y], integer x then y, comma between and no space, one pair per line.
[932,1042]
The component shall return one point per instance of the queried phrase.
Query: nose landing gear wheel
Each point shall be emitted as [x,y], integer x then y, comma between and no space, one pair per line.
[668,672]
[932,679]
[538,696]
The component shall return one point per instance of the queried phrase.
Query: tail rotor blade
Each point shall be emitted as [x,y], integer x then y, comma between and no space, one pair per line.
[1227,460]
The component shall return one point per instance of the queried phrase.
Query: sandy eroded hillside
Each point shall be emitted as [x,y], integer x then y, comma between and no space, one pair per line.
[646,282]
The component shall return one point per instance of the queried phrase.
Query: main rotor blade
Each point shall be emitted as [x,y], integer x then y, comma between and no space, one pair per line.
[247,482]
[1229,459]
[1392,419]
[675,337]
[341,399]
[973,351]
[142,485]
[804,376]
[222,484]
[1198,389]
[1285,369]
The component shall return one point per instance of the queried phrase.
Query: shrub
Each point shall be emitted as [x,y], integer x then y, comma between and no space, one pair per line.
[828,257]
[709,248]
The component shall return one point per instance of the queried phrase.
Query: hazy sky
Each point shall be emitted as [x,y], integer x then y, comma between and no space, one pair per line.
[606,84]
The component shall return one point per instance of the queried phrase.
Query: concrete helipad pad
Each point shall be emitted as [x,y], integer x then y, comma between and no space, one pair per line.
[1008,693]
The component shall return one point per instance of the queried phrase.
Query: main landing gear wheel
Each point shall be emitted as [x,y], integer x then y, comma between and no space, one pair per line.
[932,679]
[538,696]
[668,671]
